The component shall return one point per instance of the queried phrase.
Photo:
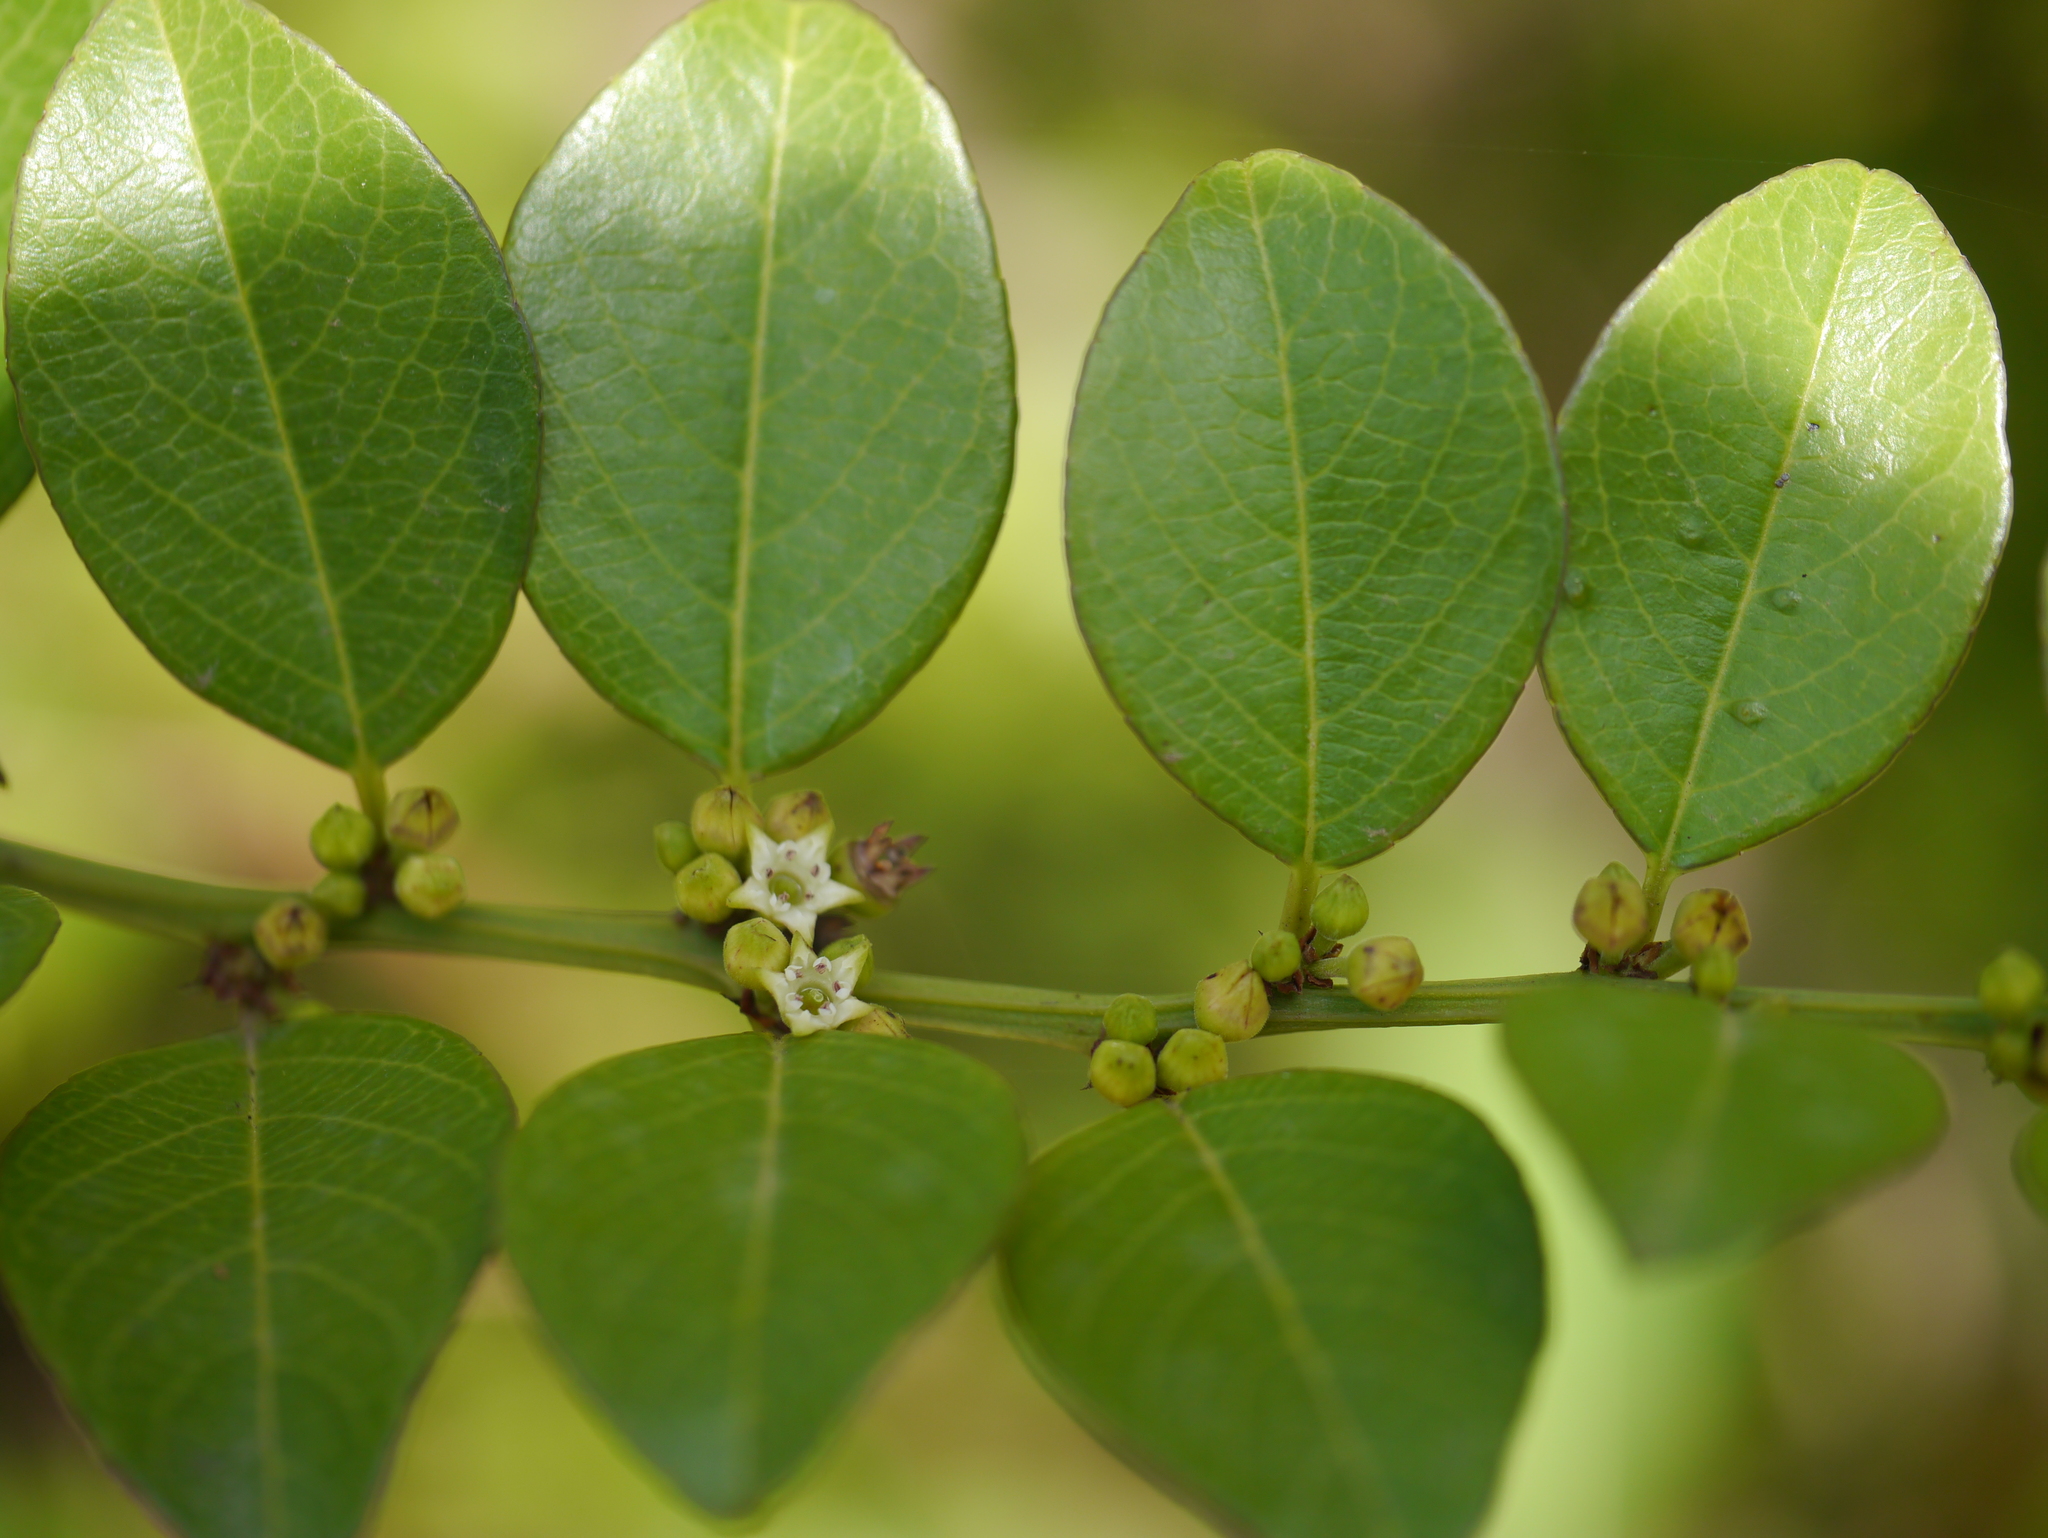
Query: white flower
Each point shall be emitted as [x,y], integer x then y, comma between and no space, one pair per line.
[815,993]
[791,882]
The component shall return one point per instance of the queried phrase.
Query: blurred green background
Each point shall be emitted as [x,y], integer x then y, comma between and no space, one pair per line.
[1885,1375]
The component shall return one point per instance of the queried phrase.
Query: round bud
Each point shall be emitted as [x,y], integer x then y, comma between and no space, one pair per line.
[430,885]
[1277,956]
[1340,909]
[1384,973]
[291,933]
[878,1022]
[1191,1058]
[340,894]
[2010,1054]
[1707,917]
[1232,1003]
[343,838]
[420,820]
[721,820]
[796,813]
[854,945]
[2010,988]
[1123,1072]
[1131,1017]
[673,845]
[705,886]
[1714,973]
[752,948]
[1612,915]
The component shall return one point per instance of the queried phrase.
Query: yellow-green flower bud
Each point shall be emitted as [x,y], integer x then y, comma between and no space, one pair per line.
[298,1007]
[430,885]
[877,1022]
[1340,909]
[343,838]
[854,945]
[721,821]
[340,894]
[2010,988]
[1707,917]
[1232,1003]
[673,845]
[1384,973]
[420,820]
[291,933]
[704,888]
[1277,956]
[1714,973]
[1131,1017]
[1123,1072]
[1612,915]
[752,948]
[1191,1058]
[795,813]
[2011,1053]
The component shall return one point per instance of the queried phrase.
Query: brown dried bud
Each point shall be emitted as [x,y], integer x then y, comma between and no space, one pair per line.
[880,866]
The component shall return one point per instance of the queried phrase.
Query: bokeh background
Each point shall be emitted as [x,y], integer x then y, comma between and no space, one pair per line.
[1884,1376]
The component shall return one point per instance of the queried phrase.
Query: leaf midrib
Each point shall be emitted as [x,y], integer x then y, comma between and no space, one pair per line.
[287,454]
[1312,727]
[743,535]
[1346,1438]
[1712,707]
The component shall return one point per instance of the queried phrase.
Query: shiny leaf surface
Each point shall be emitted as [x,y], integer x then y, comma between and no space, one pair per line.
[1313,516]
[1308,1301]
[724,1237]
[274,377]
[1700,1128]
[1789,485]
[778,379]
[237,1261]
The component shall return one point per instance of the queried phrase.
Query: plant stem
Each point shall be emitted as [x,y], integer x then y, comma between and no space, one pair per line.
[1657,878]
[1301,896]
[660,945]
[372,792]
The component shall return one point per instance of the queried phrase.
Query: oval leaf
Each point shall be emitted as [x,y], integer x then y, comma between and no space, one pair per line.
[274,377]
[238,1259]
[1789,486]
[36,37]
[1313,516]
[1310,1300]
[778,380]
[28,923]
[724,1237]
[1700,1127]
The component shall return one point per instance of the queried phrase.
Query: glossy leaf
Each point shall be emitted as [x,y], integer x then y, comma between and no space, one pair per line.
[28,923]
[778,379]
[36,37]
[1308,1301]
[274,377]
[1700,1128]
[237,1261]
[724,1237]
[1789,485]
[1313,516]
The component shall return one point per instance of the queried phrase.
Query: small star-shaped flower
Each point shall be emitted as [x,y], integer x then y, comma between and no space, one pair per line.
[791,882]
[815,993]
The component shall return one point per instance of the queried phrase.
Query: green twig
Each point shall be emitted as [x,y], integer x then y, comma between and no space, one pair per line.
[658,945]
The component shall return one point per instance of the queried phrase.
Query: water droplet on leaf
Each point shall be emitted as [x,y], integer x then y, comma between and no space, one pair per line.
[1750,712]
[1575,590]
[1692,531]
[1786,599]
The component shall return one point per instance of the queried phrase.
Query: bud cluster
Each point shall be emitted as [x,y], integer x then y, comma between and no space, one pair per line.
[2011,989]
[732,859]
[1131,1063]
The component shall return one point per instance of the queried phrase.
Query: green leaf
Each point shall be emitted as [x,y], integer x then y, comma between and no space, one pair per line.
[1789,486]
[2030,1163]
[1700,1127]
[272,371]
[778,380]
[1313,516]
[36,37]
[238,1260]
[1308,1301]
[724,1237]
[28,923]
